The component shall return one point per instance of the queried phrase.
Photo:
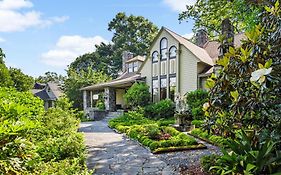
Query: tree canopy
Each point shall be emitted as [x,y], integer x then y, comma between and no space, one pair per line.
[130,33]
[50,77]
[209,14]
[21,81]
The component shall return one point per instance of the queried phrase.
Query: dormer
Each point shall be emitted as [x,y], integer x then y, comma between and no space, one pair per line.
[134,64]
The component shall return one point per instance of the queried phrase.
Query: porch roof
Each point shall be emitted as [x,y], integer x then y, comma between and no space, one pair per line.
[123,81]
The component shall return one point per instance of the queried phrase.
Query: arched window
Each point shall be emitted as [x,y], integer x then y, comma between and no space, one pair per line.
[173,52]
[163,48]
[154,56]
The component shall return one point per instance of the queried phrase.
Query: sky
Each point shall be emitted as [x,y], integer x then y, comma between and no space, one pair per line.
[47,35]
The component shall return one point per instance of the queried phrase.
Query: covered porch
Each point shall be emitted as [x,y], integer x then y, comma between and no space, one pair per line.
[111,93]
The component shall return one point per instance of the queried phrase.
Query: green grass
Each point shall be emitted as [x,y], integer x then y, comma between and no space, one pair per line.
[154,134]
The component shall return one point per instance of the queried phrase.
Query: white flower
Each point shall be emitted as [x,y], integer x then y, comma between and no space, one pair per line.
[206,106]
[259,75]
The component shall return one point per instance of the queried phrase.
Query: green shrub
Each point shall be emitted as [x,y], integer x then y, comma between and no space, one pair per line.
[162,109]
[195,101]
[208,161]
[33,140]
[100,105]
[197,123]
[137,95]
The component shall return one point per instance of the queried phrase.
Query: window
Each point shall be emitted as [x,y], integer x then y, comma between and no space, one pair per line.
[155,56]
[163,88]
[154,69]
[172,66]
[173,52]
[163,68]
[172,59]
[163,48]
[135,66]
[130,67]
[172,88]
[154,90]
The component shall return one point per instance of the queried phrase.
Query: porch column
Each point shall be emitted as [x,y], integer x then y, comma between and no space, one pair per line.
[110,99]
[85,100]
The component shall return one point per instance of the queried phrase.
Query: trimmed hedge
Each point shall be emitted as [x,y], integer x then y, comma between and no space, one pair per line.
[150,134]
[214,139]
[162,109]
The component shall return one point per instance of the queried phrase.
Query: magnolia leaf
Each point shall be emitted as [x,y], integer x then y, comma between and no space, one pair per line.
[223,62]
[268,9]
[234,95]
[261,66]
[232,51]
[268,64]
[277,5]
[243,59]
[210,83]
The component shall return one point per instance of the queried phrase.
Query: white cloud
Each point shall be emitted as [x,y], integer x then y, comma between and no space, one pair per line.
[12,19]
[179,5]
[188,35]
[2,40]
[68,48]
[15,4]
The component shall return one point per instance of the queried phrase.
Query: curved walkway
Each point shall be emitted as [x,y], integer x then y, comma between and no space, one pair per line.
[113,153]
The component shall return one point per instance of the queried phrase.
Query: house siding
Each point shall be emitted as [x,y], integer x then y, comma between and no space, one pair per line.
[188,72]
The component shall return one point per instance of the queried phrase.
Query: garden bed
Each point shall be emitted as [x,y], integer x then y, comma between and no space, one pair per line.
[212,139]
[155,135]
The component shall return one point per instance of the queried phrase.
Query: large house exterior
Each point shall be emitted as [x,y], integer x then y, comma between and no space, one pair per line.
[173,67]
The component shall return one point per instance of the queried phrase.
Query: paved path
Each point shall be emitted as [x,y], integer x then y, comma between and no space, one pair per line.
[112,153]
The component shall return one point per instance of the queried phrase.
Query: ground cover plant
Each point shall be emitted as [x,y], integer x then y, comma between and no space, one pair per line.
[153,134]
[33,141]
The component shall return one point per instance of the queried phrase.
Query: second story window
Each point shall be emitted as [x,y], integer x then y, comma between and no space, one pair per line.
[163,48]
[130,67]
[154,63]
[135,66]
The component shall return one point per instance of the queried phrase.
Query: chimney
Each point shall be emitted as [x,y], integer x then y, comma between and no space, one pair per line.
[125,57]
[201,37]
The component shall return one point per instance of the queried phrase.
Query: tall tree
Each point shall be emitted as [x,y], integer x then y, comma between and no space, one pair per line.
[130,33]
[21,81]
[50,77]
[209,14]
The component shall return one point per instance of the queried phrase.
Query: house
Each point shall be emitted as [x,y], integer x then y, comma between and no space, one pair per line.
[174,66]
[49,93]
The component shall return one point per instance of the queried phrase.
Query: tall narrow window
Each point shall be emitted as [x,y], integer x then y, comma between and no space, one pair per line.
[172,88]
[130,67]
[154,90]
[163,68]
[163,88]
[163,48]
[155,64]
[172,59]
[135,66]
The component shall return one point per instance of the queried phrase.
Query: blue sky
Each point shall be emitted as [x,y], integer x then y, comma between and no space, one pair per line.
[46,35]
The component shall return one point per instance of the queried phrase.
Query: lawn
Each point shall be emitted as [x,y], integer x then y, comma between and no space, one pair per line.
[157,135]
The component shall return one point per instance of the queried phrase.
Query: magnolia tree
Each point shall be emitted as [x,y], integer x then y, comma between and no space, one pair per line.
[246,92]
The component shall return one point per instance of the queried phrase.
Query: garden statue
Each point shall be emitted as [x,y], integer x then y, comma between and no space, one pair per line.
[183,115]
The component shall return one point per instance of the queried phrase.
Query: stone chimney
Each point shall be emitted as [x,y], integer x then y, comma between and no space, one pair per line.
[125,57]
[201,37]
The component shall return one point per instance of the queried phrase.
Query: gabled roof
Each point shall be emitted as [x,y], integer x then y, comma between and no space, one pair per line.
[54,94]
[136,58]
[212,47]
[123,80]
[55,89]
[200,53]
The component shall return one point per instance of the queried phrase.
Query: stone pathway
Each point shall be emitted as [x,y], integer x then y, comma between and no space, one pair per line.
[113,153]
